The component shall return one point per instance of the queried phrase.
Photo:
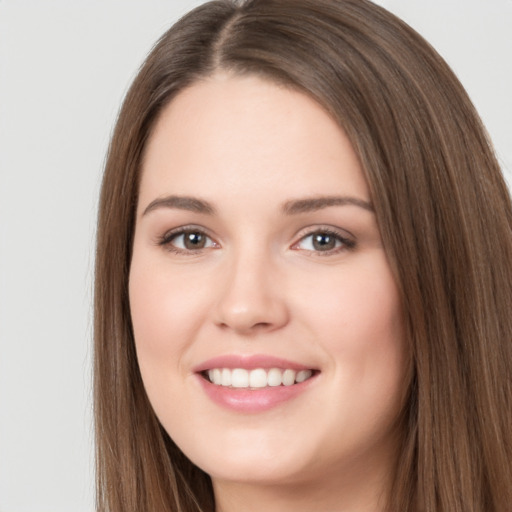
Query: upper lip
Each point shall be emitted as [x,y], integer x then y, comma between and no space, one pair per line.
[249,362]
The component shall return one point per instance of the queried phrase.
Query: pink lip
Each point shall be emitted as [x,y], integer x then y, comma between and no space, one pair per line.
[249,362]
[251,400]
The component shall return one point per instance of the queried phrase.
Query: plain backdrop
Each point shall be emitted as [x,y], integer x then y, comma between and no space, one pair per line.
[64,68]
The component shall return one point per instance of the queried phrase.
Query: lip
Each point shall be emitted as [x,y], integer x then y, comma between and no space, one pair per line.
[245,400]
[249,362]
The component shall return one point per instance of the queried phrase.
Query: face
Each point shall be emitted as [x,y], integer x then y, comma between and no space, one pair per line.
[267,322]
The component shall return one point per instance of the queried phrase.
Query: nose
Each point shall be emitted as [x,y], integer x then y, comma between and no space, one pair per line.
[251,298]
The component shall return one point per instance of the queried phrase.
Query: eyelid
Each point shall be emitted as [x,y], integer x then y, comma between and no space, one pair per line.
[348,241]
[166,239]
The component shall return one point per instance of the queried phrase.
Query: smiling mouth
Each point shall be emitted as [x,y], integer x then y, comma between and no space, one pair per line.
[257,378]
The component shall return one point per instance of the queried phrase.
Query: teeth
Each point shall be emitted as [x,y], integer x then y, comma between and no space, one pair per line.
[274,377]
[258,378]
[303,375]
[239,377]
[225,377]
[288,377]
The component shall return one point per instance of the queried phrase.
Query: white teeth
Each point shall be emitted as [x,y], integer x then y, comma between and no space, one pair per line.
[274,377]
[258,378]
[288,377]
[303,375]
[225,377]
[239,378]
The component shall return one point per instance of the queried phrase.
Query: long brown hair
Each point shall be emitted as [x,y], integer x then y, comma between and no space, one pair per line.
[445,217]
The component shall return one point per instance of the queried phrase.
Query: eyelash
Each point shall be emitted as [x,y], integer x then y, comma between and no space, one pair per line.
[170,236]
[343,243]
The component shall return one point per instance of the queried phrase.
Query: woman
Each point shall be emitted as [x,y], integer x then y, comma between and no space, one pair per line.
[303,278]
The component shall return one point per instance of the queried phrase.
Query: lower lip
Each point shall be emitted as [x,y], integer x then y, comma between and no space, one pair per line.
[253,400]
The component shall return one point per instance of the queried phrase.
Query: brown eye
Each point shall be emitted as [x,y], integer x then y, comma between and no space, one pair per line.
[323,241]
[187,241]
[194,240]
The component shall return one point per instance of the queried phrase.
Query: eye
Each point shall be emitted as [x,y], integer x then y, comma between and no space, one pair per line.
[324,241]
[187,240]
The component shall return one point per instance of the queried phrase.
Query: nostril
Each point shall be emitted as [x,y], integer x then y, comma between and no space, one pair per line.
[247,328]
[262,325]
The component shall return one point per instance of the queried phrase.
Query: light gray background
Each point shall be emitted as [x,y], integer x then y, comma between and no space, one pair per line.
[64,68]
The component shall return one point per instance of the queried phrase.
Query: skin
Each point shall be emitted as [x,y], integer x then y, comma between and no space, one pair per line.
[260,286]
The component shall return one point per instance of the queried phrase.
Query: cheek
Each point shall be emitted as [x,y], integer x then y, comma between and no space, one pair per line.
[149,306]
[162,317]
[163,304]
[359,324]
[357,309]
[164,309]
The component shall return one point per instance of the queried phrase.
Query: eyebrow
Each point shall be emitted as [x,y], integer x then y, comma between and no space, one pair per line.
[292,207]
[181,203]
[312,204]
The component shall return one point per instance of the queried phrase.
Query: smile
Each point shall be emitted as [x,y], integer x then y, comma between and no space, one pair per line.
[254,383]
[256,378]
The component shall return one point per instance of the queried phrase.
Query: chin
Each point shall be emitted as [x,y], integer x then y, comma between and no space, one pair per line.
[252,457]
[259,470]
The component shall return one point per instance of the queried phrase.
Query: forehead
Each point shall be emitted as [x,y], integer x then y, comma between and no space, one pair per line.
[227,135]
